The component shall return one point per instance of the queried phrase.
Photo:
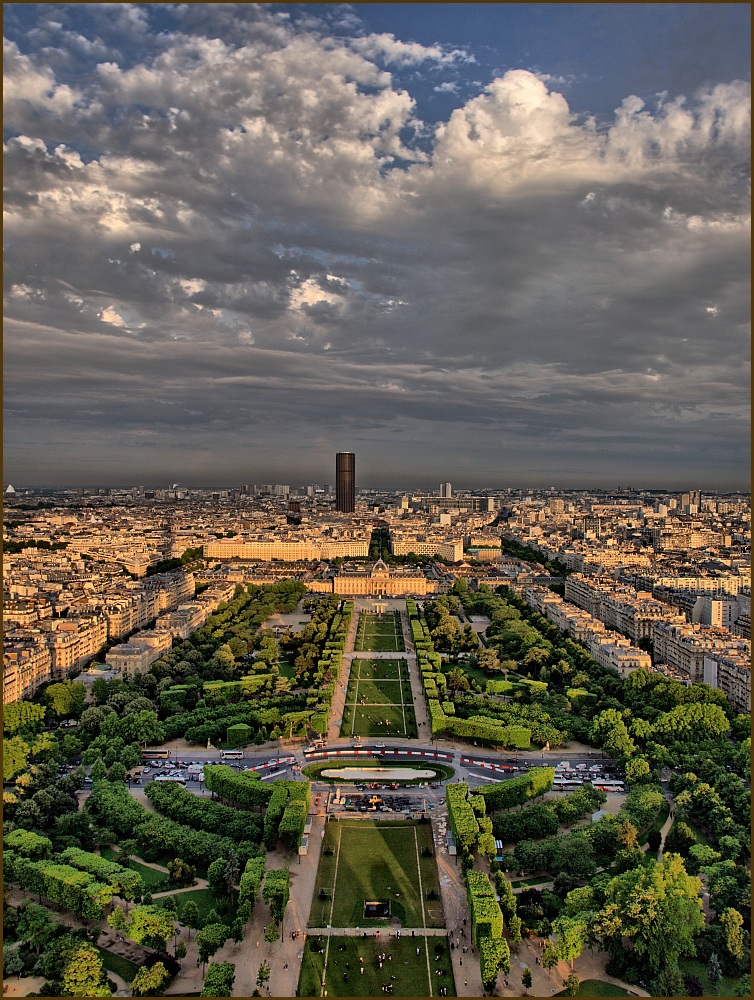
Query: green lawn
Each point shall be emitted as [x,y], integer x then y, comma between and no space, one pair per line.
[376,692]
[379,634]
[373,860]
[410,971]
[286,668]
[597,988]
[205,899]
[693,967]
[120,966]
[382,721]
[387,707]
[378,670]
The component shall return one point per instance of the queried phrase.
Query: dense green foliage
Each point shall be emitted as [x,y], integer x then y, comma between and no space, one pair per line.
[113,807]
[516,791]
[181,805]
[276,891]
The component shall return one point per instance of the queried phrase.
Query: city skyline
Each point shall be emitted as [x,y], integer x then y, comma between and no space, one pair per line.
[501,245]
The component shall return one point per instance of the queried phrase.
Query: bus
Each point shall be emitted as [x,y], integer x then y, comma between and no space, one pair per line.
[231,754]
[155,754]
[170,777]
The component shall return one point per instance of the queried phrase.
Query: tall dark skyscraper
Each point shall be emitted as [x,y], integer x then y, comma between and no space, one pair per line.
[345,482]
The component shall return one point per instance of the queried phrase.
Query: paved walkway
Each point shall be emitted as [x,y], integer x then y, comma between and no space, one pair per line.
[287,951]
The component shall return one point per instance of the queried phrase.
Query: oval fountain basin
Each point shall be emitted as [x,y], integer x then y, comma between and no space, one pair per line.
[378,773]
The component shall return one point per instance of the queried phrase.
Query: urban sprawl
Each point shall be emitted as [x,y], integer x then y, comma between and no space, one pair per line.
[329,741]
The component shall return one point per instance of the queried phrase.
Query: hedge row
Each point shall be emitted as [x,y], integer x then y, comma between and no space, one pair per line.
[251,880]
[179,804]
[286,813]
[516,791]
[72,889]
[125,881]
[486,917]
[113,808]
[463,822]
[245,789]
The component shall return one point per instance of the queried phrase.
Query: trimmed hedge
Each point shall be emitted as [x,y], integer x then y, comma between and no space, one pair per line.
[516,791]
[463,822]
[486,916]
[245,789]
[251,880]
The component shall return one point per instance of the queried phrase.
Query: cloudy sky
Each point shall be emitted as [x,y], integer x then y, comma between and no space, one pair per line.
[499,244]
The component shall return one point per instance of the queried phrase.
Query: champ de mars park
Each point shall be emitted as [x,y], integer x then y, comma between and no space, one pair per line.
[315,796]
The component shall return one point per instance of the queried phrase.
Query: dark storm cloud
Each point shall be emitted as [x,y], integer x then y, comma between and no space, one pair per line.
[231,242]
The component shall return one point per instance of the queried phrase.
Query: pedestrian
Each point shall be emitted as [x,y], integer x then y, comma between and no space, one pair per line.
[460,961]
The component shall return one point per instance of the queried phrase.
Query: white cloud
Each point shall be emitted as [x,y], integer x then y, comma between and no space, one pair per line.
[109,315]
[387,48]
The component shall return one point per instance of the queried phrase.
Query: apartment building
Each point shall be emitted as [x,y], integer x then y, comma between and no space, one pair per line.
[685,646]
[27,663]
[609,648]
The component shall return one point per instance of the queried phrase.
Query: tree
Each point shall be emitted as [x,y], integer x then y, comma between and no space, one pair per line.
[35,926]
[231,873]
[549,956]
[572,985]
[22,716]
[263,974]
[216,874]
[680,839]
[66,697]
[219,979]
[127,850]
[152,926]
[743,987]
[526,978]
[271,933]
[117,919]
[117,772]
[714,972]
[12,961]
[571,937]
[694,987]
[15,757]
[638,771]
[641,904]
[84,975]
[98,771]
[181,872]
[150,982]
[732,923]
[210,939]
[190,916]
[669,983]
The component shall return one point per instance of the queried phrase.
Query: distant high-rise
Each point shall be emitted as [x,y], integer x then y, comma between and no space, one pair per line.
[446,490]
[345,482]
